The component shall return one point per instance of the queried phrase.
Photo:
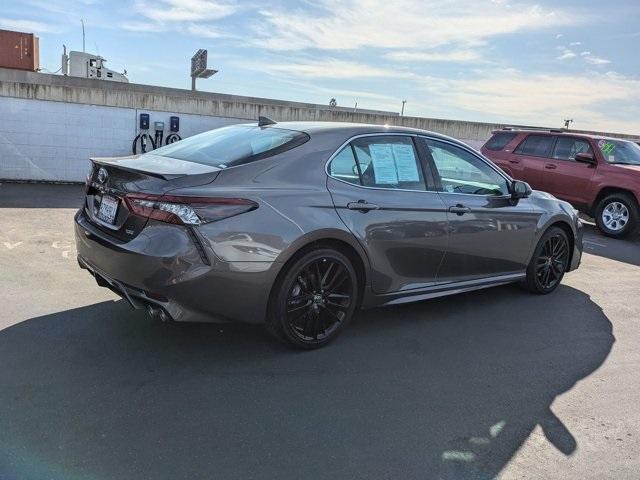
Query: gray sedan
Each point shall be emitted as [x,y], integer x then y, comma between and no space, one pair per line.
[298,224]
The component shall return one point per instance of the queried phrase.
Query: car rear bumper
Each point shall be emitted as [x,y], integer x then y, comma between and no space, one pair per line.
[163,269]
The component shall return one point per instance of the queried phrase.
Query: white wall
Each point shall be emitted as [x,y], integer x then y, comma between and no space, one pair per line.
[46,140]
[49,140]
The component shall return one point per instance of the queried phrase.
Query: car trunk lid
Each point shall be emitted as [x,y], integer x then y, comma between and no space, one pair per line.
[111,179]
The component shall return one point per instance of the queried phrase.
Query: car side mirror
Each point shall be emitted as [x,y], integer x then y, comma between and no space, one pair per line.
[587,158]
[520,190]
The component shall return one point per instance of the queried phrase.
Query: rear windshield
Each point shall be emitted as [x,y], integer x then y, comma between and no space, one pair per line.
[500,140]
[234,145]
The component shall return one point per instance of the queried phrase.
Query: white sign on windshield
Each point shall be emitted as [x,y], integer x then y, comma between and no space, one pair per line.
[384,166]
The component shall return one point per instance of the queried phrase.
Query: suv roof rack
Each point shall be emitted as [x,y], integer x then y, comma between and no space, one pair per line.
[535,129]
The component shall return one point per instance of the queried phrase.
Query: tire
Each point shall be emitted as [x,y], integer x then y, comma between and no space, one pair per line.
[617,215]
[549,262]
[314,300]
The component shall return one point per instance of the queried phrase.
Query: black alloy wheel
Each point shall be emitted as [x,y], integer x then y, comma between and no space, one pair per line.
[549,263]
[316,299]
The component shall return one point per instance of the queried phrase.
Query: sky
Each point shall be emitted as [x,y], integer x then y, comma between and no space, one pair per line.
[513,62]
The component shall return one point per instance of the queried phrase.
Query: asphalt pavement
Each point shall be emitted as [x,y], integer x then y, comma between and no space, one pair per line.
[491,384]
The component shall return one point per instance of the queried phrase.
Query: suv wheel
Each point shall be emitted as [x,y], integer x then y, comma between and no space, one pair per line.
[314,300]
[549,262]
[617,215]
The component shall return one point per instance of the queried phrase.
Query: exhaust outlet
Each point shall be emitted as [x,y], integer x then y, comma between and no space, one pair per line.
[158,313]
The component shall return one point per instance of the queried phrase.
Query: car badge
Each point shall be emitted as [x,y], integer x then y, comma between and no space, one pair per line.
[102,175]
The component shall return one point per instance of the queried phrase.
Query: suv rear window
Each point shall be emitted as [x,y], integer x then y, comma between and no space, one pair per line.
[500,140]
[536,145]
[234,145]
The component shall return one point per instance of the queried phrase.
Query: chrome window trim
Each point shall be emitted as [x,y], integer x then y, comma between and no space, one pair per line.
[418,135]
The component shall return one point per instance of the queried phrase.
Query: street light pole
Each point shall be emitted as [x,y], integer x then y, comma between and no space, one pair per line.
[402,111]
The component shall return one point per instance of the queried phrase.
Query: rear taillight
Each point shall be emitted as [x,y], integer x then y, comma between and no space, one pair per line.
[187,210]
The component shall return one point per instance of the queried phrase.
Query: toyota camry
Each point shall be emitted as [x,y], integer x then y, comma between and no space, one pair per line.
[298,224]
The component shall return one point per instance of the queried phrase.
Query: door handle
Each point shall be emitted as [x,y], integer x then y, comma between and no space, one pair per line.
[362,206]
[550,166]
[459,209]
[514,161]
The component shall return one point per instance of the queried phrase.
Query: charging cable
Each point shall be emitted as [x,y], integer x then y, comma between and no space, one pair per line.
[145,140]
[172,138]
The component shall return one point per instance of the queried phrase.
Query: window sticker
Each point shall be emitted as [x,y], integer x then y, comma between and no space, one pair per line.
[384,166]
[608,148]
[406,165]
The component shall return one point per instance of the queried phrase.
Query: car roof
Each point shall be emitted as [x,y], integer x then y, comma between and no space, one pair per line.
[353,129]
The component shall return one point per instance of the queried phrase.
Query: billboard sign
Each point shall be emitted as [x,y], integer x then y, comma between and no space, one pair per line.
[199,63]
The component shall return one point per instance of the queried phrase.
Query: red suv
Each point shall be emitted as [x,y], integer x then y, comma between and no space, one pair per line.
[599,176]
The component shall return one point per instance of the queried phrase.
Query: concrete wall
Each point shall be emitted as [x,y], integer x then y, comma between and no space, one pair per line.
[52,124]
[45,140]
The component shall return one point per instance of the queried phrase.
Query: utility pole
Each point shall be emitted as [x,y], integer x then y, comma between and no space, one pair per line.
[402,111]
[82,21]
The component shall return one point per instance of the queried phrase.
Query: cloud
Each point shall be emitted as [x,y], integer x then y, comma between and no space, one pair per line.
[452,56]
[204,31]
[575,44]
[517,97]
[353,24]
[29,26]
[141,26]
[184,10]
[593,60]
[333,68]
[566,54]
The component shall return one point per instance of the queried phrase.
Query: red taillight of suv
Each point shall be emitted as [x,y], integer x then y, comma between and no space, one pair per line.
[184,210]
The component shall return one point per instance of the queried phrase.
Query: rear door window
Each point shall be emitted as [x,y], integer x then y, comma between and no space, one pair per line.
[389,161]
[566,148]
[536,145]
[500,140]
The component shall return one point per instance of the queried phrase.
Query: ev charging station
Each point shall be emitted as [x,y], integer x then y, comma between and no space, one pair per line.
[145,142]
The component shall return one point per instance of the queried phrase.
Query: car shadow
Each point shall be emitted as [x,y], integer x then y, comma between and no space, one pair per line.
[449,389]
[39,195]
[625,250]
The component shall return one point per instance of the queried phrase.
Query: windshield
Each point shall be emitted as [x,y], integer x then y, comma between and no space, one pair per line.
[620,152]
[234,145]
